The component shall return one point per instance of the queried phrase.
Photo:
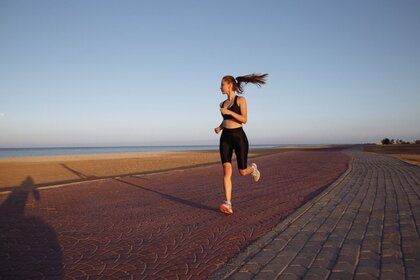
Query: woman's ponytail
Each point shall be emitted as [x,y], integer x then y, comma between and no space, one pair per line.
[252,78]
[237,83]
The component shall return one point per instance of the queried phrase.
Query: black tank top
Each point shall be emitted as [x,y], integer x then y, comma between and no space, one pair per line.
[235,108]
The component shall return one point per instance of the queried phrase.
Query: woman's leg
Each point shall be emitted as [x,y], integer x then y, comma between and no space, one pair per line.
[227,180]
[241,152]
[226,151]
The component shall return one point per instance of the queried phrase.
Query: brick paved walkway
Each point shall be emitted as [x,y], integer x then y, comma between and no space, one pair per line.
[364,226]
[155,226]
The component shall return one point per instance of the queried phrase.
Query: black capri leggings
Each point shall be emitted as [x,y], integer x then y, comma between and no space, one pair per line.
[234,139]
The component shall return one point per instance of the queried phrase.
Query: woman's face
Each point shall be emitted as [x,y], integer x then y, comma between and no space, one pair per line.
[225,87]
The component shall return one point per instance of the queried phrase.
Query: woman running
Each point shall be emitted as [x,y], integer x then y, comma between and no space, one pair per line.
[234,112]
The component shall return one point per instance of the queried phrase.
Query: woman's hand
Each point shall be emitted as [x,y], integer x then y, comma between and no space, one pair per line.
[217,129]
[225,111]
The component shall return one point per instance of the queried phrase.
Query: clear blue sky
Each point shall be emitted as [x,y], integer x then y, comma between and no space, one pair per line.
[105,73]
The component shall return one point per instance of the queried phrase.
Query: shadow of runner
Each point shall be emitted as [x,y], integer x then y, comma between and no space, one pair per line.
[29,247]
[171,197]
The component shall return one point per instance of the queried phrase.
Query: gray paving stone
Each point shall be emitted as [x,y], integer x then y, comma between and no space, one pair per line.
[289,276]
[252,268]
[351,258]
[372,270]
[281,260]
[342,275]
[303,261]
[371,261]
[364,276]
[317,273]
[263,257]
[276,245]
[265,275]
[343,266]
[329,253]
[413,271]
[274,267]
[298,270]
[324,263]
[392,275]
[241,276]
[310,249]
[394,267]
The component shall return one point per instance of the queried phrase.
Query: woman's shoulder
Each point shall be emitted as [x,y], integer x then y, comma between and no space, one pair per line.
[241,99]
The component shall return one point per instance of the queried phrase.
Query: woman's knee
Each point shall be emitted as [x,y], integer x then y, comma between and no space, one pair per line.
[227,169]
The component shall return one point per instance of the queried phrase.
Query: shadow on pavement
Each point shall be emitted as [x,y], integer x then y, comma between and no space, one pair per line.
[171,197]
[29,247]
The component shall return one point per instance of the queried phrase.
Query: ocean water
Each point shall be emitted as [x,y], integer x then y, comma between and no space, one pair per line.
[55,151]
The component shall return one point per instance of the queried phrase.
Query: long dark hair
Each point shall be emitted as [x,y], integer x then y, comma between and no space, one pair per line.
[239,82]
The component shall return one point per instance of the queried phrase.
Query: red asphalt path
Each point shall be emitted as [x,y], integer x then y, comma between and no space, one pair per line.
[157,226]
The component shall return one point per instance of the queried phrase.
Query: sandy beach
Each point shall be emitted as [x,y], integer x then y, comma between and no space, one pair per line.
[52,170]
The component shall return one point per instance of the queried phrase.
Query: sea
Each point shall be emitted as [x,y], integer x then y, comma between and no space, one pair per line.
[58,151]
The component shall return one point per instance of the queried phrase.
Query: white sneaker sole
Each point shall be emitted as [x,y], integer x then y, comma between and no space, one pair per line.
[256,175]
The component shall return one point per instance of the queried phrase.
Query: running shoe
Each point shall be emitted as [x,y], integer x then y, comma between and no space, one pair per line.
[226,208]
[256,173]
